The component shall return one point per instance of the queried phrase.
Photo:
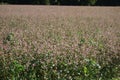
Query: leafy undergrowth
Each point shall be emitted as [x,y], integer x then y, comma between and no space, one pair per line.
[49,66]
[61,67]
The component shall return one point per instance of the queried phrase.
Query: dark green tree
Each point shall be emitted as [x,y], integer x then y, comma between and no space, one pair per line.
[91,2]
[65,2]
[46,2]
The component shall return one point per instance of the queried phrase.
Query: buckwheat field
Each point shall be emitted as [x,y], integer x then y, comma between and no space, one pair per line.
[59,43]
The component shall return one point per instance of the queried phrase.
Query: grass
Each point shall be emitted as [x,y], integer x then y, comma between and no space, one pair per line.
[59,43]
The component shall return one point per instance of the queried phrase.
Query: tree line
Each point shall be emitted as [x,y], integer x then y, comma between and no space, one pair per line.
[65,2]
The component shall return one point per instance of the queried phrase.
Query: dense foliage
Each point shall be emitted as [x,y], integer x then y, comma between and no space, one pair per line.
[64,2]
[49,67]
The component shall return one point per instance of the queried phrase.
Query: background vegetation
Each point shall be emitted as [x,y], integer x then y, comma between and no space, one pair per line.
[65,2]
